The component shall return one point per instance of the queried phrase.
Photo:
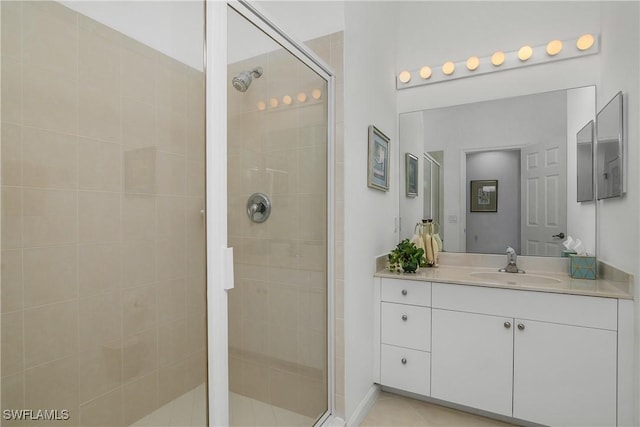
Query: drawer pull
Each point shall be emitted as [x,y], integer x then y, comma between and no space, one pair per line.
[404,292]
[404,317]
[507,325]
[404,361]
[521,326]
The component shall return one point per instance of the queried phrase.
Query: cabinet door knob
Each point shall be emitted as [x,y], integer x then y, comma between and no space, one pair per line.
[521,326]
[404,361]
[507,325]
[404,292]
[404,317]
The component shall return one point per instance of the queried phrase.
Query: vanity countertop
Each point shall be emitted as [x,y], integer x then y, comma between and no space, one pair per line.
[562,282]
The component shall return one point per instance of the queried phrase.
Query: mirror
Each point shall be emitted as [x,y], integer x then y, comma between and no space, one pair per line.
[609,149]
[584,156]
[536,135]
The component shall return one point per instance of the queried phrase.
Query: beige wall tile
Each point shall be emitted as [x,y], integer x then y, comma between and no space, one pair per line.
[172,131]
[100,111]
[254,379]
[171,84]
[312,255]
[100,372]
[100,165]
[171,216]
[50,217]
[99,268]
[138,216]
[140,398]
[100,321]
[98,54]
[139,259]
[196,255]
[195,219]
[140,354]
[50,37]
[282,253]
[13,395]
[11,271]
[139,309]
[105,411]
[312,312]
[313,349]
[195,179]
[140,170]
[11,154]
[50,275]
[172,342]
[283,389]
[99,217]
[11,29]
[12,220]
[282,171]
[196,369]
[139,122]
[312,160]
[50,333]
[50,100]
[313,217]
[171,175]
[172,300]
[49,159]
[171,258]
[312,398]
[138,71]
[11,91]
[12,339]
[172,381]
[54,385]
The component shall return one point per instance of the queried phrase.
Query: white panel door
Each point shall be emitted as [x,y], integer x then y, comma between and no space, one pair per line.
[472,360]
[564,375]
[543,199]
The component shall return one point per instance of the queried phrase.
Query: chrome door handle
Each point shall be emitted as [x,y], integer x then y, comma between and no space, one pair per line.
[559,235]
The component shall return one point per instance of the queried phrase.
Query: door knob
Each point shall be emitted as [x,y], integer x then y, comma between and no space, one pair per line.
[404,317]
[521,326]
[404,361]
[507,325]
[559,235]
[404,292]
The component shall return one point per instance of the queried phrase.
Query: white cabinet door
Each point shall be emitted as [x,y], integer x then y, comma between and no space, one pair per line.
[564,375]
[472,360]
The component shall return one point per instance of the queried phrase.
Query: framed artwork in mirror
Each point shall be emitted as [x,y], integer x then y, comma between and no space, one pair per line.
[484,196]
[584,157]
[378,169]
[411,175]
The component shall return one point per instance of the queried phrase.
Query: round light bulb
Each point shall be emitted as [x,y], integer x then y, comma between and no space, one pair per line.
[262,106]
[497,58]
[273,102]
[448,68]
[316,94]
[302,97]
[425,72]
[473,63]
[525,53]
[404,76]
[287,100]
[554,47]
[585,42]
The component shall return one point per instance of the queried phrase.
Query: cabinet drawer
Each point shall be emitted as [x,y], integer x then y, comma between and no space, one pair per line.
[405,369]
[406,326]
[406,291]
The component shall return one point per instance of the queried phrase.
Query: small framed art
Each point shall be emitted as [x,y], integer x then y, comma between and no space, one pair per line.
[378,170]
[484,196]
[411,174]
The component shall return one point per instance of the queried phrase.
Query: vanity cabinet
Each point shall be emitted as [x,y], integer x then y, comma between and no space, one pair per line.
[546,358]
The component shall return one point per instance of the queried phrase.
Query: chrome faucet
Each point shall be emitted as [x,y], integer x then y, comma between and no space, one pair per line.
[511,267]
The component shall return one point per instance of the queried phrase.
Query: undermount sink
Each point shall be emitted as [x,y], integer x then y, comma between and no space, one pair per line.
[514,278]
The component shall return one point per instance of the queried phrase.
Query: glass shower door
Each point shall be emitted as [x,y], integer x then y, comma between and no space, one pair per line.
[103,245]
[277,224]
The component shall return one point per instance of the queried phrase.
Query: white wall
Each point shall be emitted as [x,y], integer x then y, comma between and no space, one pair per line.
[370,98]
[170,27]
[618,219]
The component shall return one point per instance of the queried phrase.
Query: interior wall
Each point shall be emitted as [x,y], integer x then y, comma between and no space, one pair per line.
[103,250]
[618,223]
[492,232]
[369,214]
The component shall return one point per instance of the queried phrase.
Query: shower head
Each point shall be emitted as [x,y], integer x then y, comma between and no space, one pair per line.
[242,81]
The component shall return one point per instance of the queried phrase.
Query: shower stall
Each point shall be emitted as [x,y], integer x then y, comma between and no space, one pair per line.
[102,232]
[278,106]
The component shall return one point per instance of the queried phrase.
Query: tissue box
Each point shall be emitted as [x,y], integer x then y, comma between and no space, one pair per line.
[583,266]
[566,253]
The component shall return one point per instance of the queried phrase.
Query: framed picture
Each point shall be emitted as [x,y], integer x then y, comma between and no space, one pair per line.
[378,170]
[411,174]
[484,196]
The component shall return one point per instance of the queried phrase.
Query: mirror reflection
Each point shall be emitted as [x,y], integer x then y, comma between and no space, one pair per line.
[527,145]
[609,159]
[585,162]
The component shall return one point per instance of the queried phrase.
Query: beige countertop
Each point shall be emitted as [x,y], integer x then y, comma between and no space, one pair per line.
[562,284]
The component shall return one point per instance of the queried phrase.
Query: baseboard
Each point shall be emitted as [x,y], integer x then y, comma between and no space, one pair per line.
[364,407]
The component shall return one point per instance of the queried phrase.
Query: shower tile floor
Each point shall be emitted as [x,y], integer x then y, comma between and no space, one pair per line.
[189,410]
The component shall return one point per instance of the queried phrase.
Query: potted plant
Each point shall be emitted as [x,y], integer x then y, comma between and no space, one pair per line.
[406,257]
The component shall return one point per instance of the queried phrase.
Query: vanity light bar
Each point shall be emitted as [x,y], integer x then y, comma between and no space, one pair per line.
[555,50]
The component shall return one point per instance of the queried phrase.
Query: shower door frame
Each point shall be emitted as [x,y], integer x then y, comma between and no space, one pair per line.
[219,257]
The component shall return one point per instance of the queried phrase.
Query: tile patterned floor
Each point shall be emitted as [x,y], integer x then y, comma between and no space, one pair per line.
[247,412]
[188,410]
[391,410]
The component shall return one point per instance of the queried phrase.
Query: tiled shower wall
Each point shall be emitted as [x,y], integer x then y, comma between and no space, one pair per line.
[278,308]
[103,251]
